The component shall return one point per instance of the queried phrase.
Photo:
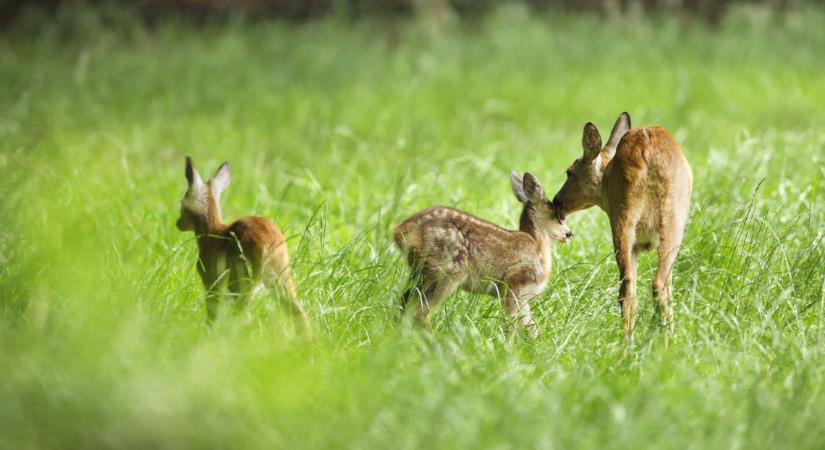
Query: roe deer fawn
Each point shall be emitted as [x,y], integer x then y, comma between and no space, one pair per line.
[447,249]
[643,182]
[241,257]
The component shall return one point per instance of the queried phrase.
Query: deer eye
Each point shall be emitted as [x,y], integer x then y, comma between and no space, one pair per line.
[569,173]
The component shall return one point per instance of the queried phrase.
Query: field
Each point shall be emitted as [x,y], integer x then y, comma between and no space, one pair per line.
[339,130]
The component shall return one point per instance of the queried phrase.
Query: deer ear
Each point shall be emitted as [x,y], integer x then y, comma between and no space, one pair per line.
[192,175]
[532,188]
[621,127]
[220,181]
[591,141]
[518,187]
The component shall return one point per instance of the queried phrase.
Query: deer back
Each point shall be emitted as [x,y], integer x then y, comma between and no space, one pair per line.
[648,168]
[447,241]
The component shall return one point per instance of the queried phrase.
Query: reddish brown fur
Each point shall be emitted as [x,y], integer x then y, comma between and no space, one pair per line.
[448,249]
[240,257]
[251,245]
[643,182]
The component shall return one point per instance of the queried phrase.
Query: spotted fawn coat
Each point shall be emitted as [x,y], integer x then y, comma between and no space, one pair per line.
[448,249]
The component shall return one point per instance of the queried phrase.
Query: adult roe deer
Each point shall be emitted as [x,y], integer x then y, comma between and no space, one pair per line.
[241,257]
[448,249]
[643,182]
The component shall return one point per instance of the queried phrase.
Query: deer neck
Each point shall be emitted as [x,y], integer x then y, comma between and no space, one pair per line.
[601,200]
[527,224]
[211,223]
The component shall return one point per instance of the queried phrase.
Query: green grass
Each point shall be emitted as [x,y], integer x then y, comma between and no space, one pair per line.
[338,134]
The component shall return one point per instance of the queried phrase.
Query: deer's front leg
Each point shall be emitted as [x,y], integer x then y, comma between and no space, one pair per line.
[213,303]
[212,298]
[509,303]
[214,282]
[525,313]
[526,320]
[623,240]
[516,304]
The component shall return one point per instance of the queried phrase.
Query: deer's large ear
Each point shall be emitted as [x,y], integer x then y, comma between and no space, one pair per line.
[621,127]
[591,141]
[192,175]
[533,189]
[220,181]
[518,187]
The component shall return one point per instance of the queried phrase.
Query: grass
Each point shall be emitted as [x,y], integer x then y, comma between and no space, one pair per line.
[338,133]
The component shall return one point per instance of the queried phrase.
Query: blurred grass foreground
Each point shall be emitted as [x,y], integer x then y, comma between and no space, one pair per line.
[339,124]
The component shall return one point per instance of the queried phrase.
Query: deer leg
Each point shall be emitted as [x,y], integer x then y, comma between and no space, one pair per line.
[509,303]
[293,305]
[413,288]
[413,298]
[663,292]
[213,303]
[663,282]
[290,294]
[626,260]
[527,322]
[433,294]
[404,300]
[289,299]
[214,285]
[283,287]
[516,304]
[239,286]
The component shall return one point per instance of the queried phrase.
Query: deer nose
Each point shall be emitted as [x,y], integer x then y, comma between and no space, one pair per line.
[569,235]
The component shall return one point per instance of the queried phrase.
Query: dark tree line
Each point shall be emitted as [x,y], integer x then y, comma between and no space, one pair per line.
[711,11]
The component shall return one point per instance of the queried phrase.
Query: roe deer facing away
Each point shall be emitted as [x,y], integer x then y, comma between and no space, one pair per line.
[447,249]
[643,182]
[241,257]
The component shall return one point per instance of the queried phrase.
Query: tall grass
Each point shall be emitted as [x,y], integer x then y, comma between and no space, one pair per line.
[337,134]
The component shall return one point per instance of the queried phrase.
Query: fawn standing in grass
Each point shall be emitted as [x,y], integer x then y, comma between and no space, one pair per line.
[241,257]
[448,249]
[643,182]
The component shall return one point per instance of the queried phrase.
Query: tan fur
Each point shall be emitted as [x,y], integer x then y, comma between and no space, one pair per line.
[643,182]
[448,249]
[239,258]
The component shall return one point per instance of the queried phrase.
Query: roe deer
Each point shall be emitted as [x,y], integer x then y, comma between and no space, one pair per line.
[447,249]
[643,182]
[241,257]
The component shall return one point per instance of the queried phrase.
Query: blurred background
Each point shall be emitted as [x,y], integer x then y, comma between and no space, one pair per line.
[709,11]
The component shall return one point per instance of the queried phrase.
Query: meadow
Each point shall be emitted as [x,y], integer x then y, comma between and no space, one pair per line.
[338,132]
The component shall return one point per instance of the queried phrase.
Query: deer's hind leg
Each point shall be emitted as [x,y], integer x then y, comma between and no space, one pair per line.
[282,285]
[413,290]
[433,290]
[624,240]
[671,235]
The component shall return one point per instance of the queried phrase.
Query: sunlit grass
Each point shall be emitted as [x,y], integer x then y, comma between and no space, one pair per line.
[337,134]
